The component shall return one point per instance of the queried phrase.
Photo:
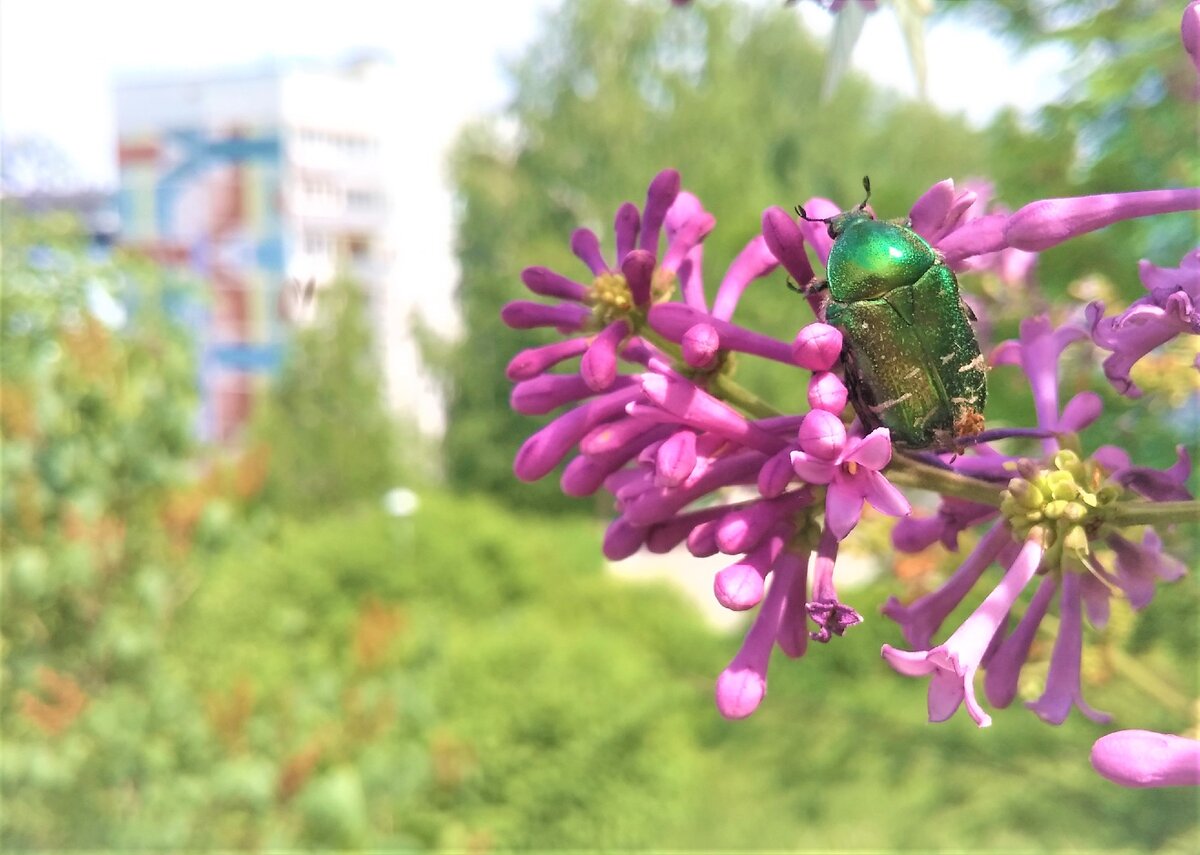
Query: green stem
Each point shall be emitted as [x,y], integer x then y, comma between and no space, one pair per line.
[1154,513]
[906,472]
[732,392]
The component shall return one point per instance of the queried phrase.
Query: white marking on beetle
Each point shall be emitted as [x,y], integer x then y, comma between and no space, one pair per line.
[947,357]
[978,362]
[916,372]
[887,405]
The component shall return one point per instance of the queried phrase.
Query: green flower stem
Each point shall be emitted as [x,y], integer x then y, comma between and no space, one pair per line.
[1154,513]
[906,472]
[732,392]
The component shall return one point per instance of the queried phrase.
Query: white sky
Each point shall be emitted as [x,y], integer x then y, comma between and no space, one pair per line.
[59,58]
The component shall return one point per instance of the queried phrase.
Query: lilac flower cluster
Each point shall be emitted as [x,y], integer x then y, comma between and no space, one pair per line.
[654,417]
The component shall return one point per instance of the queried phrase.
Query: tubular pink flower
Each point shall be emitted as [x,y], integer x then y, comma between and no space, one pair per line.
[586,247]
[1037,351]
[546,448]
[776,473]
[786,243]
[531,362]
[979,236]
[673,320]
[664,536]
[626,225]
[527,315]
[1063,688]
[1158,485]
[1080,411]
[912,534]
[660,195]
[697,409]
[1004,668]
[614,434]
[753,262]
[815,234]
[922,618]
[656,505]
[638,269]
[622,539]
[742,686]
[822,435]
[817,347]
[1141,566]
[740,586]
[546,283]
[550,391]
[1142,758]
[598,368]
[741,529]
[1171,308]
[939,210]
[792,635]
[953,664]
[702,540]
[826,391]
[832,616]
[1041,225]
[675,459]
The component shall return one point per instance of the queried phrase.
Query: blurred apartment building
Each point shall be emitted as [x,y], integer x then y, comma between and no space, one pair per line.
[258,181]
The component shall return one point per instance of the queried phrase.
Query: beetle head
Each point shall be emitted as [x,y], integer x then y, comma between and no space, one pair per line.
[840,222]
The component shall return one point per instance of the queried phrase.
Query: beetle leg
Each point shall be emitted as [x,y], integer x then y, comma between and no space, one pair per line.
[816,286]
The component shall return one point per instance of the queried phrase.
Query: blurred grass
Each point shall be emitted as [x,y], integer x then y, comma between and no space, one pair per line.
[474,681]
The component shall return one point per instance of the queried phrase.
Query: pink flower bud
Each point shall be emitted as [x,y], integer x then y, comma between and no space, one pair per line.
[822,435]
[817,347]
[826,391]
[700,345]
[739,692]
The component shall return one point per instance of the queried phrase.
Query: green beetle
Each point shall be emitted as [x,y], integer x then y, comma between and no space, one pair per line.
[909,356]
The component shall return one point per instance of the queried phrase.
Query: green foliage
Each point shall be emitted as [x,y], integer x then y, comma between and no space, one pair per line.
[467,679]
[1129,111]
[96,422]
[329,438]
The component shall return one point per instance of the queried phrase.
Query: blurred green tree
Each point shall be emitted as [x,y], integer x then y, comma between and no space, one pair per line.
[324,426]
[96,410]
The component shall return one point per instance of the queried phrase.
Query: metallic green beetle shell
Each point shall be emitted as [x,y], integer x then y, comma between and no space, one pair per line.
[911,360]
[871,257]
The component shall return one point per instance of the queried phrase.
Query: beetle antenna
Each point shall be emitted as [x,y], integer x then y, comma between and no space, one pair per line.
[804,216]
[867,187]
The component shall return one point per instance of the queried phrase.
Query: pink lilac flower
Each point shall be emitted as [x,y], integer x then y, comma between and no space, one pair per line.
[1046,223]
[1142,758]
[953,664]
[1171,308]
[1070,554]
[850,466]
[681,462]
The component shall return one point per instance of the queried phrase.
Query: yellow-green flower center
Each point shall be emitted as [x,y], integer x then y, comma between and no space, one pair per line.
[1064,504]
[612,300]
